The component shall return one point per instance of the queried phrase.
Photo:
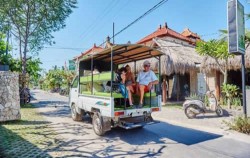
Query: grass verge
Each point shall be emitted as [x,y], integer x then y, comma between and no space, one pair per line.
[240,124]
[31,136]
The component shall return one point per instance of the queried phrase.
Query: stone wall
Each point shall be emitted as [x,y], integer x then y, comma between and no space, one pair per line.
[9,96]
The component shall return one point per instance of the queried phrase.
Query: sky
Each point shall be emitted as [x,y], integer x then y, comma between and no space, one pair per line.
[91,22]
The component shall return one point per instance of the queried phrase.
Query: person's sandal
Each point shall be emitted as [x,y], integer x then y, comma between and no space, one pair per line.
[133,106]
[140,106]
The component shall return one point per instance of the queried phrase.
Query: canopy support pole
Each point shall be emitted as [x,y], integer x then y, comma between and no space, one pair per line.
[112,73]
[92,67]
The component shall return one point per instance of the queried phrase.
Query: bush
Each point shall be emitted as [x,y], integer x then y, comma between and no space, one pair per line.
[236,101]
[230,91]
[240,124]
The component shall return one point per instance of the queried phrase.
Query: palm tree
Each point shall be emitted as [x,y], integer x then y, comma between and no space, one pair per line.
[224,34]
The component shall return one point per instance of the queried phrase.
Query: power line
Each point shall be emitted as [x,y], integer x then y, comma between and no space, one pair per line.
[211,34]
[94,25]
[68,48]
[96,19]
[101,23]
[139,18]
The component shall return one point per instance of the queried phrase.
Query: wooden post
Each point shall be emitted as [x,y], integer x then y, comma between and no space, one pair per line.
[164,90]
[178,87]
[217,86]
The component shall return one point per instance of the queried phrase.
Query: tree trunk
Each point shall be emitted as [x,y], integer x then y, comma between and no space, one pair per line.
[225,76]
[217,87]
[229,103]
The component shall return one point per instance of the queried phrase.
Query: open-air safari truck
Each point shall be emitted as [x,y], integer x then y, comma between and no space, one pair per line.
[107,107]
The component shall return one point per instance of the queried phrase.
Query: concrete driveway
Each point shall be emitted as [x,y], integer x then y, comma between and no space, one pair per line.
[175,136]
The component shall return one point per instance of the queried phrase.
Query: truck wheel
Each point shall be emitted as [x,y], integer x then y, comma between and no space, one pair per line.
[98,124]
[75,116]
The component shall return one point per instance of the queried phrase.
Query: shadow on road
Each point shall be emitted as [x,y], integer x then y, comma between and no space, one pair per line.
[162,131]
[112,143]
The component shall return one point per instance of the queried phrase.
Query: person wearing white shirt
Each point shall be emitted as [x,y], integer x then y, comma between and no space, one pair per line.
[145,80]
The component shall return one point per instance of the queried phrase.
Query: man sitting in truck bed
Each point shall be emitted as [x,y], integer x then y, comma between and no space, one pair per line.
[145,80]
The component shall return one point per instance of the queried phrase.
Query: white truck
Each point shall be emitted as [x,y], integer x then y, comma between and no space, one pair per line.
[107,107]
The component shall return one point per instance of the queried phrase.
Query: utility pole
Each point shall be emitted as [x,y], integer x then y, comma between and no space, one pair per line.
[8,36]
[113,33]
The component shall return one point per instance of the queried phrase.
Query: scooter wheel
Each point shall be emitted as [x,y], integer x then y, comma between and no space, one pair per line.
[189,112]
[219,111]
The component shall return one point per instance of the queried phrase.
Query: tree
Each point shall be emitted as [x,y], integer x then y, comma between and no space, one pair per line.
[57,79]
[218,50]
[224,35]
[2,45]
[32,22]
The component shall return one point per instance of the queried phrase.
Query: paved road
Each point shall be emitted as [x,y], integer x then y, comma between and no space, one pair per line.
[159,140]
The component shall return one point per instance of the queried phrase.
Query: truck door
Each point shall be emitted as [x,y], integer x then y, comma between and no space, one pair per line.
[74,90]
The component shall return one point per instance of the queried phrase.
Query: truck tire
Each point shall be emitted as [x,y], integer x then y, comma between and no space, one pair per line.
[74,114]
[98,124]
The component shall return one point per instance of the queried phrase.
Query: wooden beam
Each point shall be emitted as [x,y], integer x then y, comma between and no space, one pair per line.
[217,85]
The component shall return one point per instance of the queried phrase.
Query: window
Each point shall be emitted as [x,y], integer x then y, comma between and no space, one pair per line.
[75,83]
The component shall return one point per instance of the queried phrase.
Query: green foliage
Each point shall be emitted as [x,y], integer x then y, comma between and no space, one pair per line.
[218,50]
[236,101]
[57,78]
[2,44]
[32,22]
[213,48]
[33,69]
[241,124]
[195,96]
[224,34]
[230,90]
[15,65]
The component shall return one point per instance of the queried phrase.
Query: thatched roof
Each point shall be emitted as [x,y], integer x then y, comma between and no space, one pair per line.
[234,63]
[177,58]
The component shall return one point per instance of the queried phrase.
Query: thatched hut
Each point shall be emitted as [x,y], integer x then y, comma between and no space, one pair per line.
[177,59]
[178,62]
[215,77]
[234,63]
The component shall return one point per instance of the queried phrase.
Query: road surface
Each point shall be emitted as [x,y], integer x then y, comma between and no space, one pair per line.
[160,140]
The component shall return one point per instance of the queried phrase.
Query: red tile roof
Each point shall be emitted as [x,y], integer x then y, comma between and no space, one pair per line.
[93,49]
[162,32]
[187,33]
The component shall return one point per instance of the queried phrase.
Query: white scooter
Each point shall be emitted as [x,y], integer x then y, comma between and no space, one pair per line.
[195,107]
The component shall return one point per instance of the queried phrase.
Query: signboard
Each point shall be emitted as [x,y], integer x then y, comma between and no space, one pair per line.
[72,65]
[202,86]
[236,27]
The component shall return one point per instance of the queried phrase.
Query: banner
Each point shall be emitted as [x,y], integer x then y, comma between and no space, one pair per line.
[236,27]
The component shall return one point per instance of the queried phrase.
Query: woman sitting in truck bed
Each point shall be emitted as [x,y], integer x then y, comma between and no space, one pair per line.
[130,84]
[121,79]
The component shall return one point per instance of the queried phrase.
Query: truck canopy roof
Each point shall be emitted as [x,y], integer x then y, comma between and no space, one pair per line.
[124,53]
